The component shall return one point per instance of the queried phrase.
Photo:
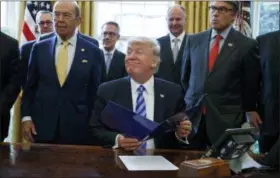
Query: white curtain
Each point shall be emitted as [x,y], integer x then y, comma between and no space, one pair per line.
[9,17]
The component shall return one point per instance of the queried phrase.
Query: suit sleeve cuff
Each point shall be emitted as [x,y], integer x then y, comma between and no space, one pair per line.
[185,141]
[116,141]
[26,118]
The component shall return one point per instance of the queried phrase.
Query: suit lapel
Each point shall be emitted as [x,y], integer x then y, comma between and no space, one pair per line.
[205,50]
[113,64]
[52,53]
[124,95]
[227,50]
[76,61]
[167,50]
[181,51]
[159,101]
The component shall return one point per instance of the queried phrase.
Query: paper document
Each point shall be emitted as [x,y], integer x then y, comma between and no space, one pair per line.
[242,163]
[147,163]
[249,162]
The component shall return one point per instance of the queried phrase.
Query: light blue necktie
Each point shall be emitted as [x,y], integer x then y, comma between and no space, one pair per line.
[108,58]
[141,107]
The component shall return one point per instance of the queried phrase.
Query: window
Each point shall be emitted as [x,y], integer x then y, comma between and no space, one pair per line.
[266,17]
[10,17]
[135,18]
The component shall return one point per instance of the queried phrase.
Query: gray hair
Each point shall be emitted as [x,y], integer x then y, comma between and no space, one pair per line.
[77,8]
[40,13]
[152,43]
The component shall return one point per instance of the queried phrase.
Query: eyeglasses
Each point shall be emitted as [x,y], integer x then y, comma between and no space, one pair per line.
[221,9]
[64,15]
[42,23]
[110,34]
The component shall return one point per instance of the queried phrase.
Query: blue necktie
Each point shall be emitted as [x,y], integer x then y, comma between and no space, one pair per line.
[141,107]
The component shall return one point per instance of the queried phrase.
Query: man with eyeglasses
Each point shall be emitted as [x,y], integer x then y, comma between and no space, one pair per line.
[224,64]
[63,77]
[44,25]
[114,59]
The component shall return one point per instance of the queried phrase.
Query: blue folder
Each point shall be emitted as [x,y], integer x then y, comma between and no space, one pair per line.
[128,123]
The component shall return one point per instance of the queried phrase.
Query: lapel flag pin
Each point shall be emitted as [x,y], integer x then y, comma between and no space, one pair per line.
[83,49]
[161,95]
[84,61]
[230,44]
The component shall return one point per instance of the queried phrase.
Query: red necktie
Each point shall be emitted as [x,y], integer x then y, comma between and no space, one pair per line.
[214,53]
[212,58]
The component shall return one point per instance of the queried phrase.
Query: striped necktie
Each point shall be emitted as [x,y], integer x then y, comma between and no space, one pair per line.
[141,107]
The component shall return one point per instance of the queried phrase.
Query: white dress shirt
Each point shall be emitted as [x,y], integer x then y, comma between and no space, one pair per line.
[71,53]
[149,96]
[105,52]
[224,35]
[180,38]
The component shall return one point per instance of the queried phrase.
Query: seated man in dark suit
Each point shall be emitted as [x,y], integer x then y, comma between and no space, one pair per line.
[114,59]
[146,95]
[44,25]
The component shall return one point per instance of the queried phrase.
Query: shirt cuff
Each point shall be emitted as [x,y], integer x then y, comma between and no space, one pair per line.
[181,140]
[116,141]
[26,118]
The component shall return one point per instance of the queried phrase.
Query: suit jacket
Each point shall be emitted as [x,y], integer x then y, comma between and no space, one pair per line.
[119,91]
[9,79]
[25,52]
[117,67]
[273,156]
[231,87]
[68,107]
[27,47]
[167,69]
[270,87]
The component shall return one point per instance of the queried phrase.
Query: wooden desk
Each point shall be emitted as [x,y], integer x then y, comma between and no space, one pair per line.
[50,161]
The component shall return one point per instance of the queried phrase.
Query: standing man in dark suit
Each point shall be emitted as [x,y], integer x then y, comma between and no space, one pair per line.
[9,80]
[224,64]
[153,98]
[44,24]
[172,45]
[270,88]
[63,77]
[114,59]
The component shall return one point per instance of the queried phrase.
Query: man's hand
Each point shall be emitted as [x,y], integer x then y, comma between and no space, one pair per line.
[254,118]
[28,129]
[184,128]
[129,144]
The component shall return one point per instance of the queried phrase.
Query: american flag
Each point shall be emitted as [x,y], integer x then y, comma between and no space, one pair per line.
[31,10]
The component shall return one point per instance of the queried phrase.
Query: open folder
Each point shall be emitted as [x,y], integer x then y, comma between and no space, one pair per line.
[130,124]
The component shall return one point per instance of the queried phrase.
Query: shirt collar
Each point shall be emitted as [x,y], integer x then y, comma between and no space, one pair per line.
[149,85]
[224,34]
[111,52]
[72,41]
[180,37]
